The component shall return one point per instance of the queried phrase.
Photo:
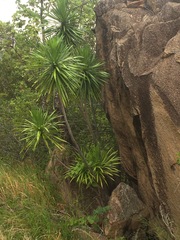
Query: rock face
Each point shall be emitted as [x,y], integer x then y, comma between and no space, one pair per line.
[126,211]
[141,49]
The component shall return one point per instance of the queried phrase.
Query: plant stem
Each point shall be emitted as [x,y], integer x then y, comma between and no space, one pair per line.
[73,140]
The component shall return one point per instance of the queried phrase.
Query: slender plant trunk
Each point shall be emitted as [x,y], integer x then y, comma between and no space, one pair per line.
[43,41]
[42,20]
[73,140]
[97,135]
[84,110]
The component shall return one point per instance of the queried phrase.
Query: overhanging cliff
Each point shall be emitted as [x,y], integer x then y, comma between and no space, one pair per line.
[141,48]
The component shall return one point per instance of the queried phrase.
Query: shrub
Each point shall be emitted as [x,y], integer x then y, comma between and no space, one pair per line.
[98,165]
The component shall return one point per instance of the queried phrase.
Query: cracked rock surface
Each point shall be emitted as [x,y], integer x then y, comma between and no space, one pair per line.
[141,50]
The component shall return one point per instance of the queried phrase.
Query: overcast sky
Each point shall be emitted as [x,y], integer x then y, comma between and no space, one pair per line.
[7,9]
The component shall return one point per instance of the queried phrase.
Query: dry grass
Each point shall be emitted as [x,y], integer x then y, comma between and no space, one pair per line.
[26,205]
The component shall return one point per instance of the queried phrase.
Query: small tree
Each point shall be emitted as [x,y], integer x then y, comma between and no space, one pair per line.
[58,73]
[64,69]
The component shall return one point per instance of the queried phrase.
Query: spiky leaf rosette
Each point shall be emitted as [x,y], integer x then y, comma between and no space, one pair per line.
[42,126]
[101,164]
[65,23]
[57,70]
[93,75]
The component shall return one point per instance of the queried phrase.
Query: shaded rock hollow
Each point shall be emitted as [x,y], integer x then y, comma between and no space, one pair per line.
[141,50]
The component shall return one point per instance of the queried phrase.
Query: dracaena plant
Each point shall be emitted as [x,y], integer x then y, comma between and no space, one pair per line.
[65,23]
[57,69]
[92,79]
[42,127]
[58,72]
[101,165]
[93,76]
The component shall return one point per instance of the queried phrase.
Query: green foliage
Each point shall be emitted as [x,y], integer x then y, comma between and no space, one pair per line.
[95,220]
[65,23]
[28,208]
[26,204]
[69,75]
[42,126]
[14,48]
[93,76]
[119,238]
[86,18]
[178,158]
[101,164]
[13,113]
[100,126]
[159,230]
[57,69]
[16,98]
[31,15]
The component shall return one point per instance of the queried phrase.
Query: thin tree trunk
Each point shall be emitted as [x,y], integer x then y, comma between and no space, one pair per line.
[73,140]
[94,121]
[43,41]
[84,110]
[42,20]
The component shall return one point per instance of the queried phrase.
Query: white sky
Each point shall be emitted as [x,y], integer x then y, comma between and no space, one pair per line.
[7,9]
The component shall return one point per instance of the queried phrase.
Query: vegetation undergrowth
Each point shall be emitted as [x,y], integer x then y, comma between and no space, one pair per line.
[26,210]
[32,208]
[101,164]
[50,94]
[178,158]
